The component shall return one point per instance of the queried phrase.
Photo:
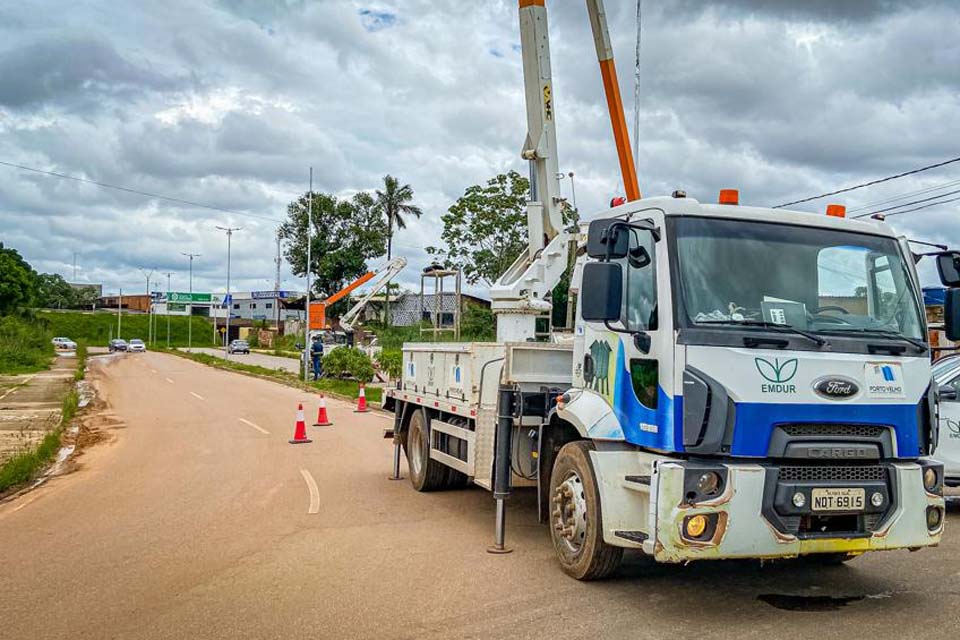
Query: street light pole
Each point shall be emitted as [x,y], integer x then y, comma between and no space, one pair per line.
[147,275]
[226,337]
[168,274]
[306,336]
[190,306]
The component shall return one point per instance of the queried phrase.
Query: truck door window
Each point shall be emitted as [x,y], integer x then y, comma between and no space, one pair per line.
[640,283]
[842,280]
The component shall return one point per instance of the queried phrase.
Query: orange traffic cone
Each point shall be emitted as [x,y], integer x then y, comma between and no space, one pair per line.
[300,433]
[322,420]
[361,402]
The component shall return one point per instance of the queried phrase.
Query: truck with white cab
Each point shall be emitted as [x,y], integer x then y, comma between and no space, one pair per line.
[741,382]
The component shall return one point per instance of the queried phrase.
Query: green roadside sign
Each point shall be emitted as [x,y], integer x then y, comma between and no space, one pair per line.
[178,296]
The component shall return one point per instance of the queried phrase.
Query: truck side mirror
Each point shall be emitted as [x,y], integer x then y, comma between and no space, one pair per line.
[608,232]
[948,393]
[951,314]
[948,265]
[601,292]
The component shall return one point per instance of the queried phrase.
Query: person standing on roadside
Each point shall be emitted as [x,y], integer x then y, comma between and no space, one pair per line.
[316,353]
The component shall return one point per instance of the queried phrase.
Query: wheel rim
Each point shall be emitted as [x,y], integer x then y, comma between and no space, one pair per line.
[416,450]
[570,512]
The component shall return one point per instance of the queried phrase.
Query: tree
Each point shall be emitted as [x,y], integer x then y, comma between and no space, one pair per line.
[18,281]
[53,292]
[346,233]
[393,202]
[486,229]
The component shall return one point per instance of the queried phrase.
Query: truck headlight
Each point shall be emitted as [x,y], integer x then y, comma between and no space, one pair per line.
[930,479]
[708,483]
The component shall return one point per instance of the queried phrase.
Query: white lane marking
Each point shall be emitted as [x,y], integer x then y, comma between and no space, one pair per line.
[154,370]
[169,380]
[314,492]
[255,426]
[196,395]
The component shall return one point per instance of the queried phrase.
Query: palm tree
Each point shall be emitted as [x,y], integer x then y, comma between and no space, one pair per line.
[393,201]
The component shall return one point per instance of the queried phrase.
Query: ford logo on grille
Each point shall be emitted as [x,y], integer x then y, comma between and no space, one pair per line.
[836,388]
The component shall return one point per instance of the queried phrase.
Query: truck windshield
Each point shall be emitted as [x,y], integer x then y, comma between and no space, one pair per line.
[813,279]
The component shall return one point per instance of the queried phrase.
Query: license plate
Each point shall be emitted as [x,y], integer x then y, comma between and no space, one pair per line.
[838,499]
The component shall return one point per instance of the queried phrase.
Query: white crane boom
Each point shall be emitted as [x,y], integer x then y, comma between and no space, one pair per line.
[381,278]
[520,294]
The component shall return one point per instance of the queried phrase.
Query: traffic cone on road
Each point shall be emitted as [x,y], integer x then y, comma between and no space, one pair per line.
[361,402]
[300,432]
[322,420]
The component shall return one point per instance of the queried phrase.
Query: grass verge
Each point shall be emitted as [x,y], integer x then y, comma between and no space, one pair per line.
[26,466]
[344,389]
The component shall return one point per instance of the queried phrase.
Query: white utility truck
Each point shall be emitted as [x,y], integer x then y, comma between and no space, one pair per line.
[742,382]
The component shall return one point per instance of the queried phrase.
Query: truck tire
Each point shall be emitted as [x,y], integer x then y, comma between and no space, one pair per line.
[575,517]
[426,474]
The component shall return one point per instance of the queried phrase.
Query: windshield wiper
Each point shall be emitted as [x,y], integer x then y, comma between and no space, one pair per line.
[780,328]
[893,335]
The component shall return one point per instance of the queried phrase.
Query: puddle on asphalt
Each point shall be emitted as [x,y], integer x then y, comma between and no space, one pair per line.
[807,603]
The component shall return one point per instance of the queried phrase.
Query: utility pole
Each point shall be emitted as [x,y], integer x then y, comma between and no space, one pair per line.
[306,332]
[190,306]
[168,274]
[227,300]
[74,266]
[147,275]
[276,286]
[119,313]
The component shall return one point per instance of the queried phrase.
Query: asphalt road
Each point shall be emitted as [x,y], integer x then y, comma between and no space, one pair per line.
[257,359]
[193,520]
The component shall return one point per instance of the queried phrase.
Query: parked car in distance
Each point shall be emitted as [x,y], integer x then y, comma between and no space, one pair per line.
[238,346]
[136,345]
[117,345]
[64,344]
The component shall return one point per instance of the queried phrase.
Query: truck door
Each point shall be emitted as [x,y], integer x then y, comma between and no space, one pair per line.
[630,363]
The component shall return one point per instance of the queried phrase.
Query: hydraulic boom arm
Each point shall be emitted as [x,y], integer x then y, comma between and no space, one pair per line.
[382,277]
[520,294]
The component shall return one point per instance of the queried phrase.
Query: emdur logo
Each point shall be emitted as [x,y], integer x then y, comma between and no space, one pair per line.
[778,374]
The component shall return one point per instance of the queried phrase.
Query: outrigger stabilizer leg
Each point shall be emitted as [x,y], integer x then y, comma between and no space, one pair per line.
[396,447]
[501,466]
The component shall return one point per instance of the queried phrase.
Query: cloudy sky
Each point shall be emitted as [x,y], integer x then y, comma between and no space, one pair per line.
[228,103]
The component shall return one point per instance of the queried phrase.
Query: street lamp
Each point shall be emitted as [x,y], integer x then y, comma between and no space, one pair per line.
[147,275]
[226,338]
[306,336]
[190,306]
[168,274]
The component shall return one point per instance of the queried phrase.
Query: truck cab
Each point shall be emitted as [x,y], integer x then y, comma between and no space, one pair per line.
[732,362]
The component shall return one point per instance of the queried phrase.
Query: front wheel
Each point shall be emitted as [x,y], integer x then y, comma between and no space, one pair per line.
[575,522]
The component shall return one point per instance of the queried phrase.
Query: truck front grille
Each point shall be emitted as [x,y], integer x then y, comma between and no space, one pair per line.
[833,473]
[834,430]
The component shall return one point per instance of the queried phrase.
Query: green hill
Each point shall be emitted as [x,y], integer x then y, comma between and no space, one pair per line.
[96,329]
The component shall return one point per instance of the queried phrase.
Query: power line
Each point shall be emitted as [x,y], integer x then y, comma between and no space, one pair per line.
[926,206]
[904,195]
[871,183]
[135,191]
[908,204]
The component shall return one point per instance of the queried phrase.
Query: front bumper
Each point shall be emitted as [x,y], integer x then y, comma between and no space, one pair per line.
[748,519]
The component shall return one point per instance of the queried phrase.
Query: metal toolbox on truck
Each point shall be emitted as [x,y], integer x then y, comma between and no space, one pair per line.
[449,371]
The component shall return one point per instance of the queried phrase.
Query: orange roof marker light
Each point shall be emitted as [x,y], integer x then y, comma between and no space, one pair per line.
[729,196]
[836,210]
